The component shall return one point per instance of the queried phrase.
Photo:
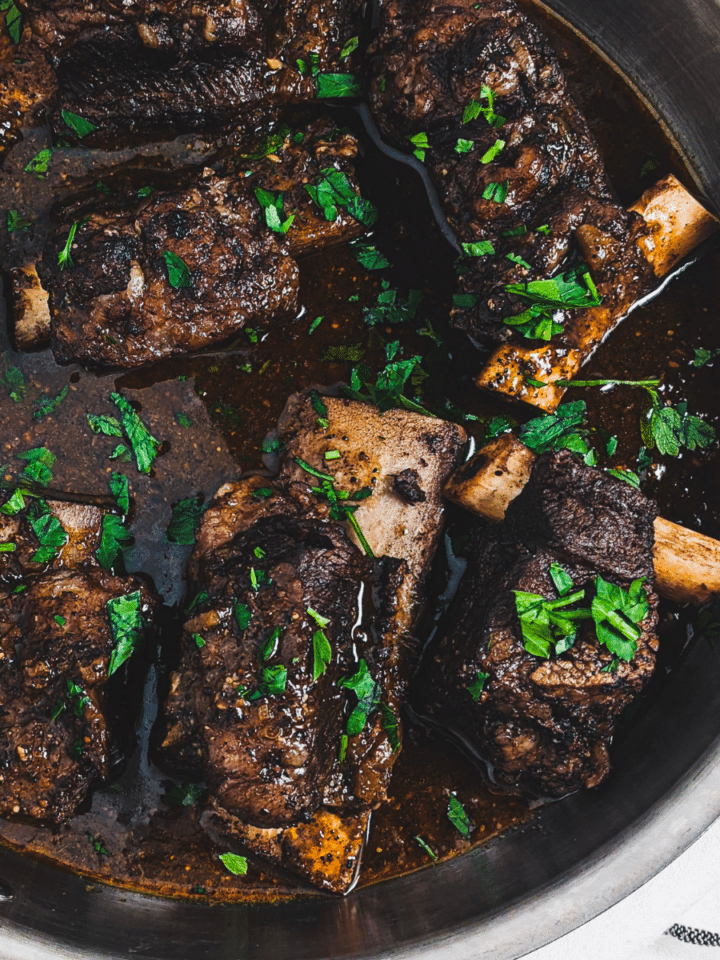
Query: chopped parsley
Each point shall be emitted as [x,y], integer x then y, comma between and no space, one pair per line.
[476,687]
[344,353]
[272,205]
[571,290]
[334,86]
[186,516]
[366,691]
[616,613]
[334,190]
[200,641]
[185,795]
[177,270]
[474,109]
[702,355]
[340,509]
[669,428]
[458,817]
[322,654]
[39,163]
[64,257]
[624,473]
[79,125]
[13,381]
[144,445]
[40,462]
[13,20]
[464,146]
[519,260]
[273,683]
[388,390]
[48,405]
[482,248]
[496,192]
[349,47]
[390,307]
[390,725]
[234,864]
[16,223]
[272,143]
[183,420]
[126,624]
[243,614]
[564,429]
[114,541]
[271,644]
[368,256]
[428,850]
[420,143]
[99,423]
[78,698]
[493,151]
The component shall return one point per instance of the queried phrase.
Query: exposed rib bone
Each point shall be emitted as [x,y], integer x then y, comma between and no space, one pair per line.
[677,222]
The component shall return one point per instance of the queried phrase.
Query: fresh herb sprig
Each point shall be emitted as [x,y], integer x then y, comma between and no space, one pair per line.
[340,507]
[571,290]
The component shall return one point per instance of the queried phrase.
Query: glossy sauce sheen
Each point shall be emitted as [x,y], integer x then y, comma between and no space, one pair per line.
[132,835]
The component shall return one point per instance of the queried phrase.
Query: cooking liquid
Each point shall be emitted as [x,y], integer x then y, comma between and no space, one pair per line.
[133,835]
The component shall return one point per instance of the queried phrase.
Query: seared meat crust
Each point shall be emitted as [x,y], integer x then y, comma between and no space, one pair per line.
[544,726]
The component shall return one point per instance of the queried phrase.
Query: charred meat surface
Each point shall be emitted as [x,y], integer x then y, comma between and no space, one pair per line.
[288,698]
[544,724]
[182,271]
[481,90]
[57,640]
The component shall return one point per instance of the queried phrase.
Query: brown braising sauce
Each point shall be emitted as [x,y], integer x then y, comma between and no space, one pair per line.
[133,834]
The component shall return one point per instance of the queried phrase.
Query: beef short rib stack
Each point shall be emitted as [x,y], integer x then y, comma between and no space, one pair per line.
[292,767]
[543,725]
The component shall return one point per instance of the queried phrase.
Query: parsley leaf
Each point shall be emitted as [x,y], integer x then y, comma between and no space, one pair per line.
[234,864]
[272,143]
[473,109]
[420,142]
[272,204]
[669,428]
[562,430]
[344,353]
[274,681]
[126,623]
[79,125]
[332,86]
[186,516]
[16,223]
[476,687]
[366,691]
[623,473]
[390,307]
[14,382]
[545,624]
[340,509]
[494,150]
[48,405]
[114,541]
[39,163]
[573,289]
[108,426]
[177,270]
[428,850]
[464,146]
[144,445]
[483,248]
[13,20]
[64,258]
[334,190]
[322,654]
[368,256]
[349,47]
[458,817]
[496,192]
[39,465]
[48,530]
[390,725]
[184,795]
[243,614]
[616,613]
[702,355]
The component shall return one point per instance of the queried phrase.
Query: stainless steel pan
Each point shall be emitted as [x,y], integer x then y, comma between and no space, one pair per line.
[577,857]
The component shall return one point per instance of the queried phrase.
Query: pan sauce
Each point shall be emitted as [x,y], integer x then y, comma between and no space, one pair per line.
[151,844]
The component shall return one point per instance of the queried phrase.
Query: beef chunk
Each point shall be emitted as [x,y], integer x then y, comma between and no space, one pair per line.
[433,61]
[289,778]
[119,304]
[55,647]
[544,726]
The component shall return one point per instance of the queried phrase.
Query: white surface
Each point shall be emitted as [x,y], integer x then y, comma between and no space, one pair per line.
[687,892]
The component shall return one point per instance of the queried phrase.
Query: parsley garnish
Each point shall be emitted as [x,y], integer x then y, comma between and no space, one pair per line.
[145,191]
[243,614]
[184,795]
[390,725]
[186,516]
[519,260]
[391,308]
[13,20]
[340,509]
[183,420]
[457,816]
[473,110]
[144,445]
[431,853]
[669,428]
[99,423]
[234,864]
[334,190]
[115,538]
[571,290]
[79,125]
[562,430]
[16,223]
[616,613]
[39,163]
[366,691]
[702,355]
[200,641]
[420,143]
[493,151]
[476,687]
[177,270]
[368,256]
[274,681]
[39,465]
[322,651]
[496,192]
[14,382]
[464,146]
[482,248]
[126,623]
[623,473]
[48,405]
[546,625]
[272,143]
[78,698]
[515,231]
[272,204]
[333,86]
[349,47]
[344,353]
[64,258]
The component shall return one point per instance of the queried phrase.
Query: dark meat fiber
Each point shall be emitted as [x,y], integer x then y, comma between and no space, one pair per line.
[56,642]
[432,61]
[544,725]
